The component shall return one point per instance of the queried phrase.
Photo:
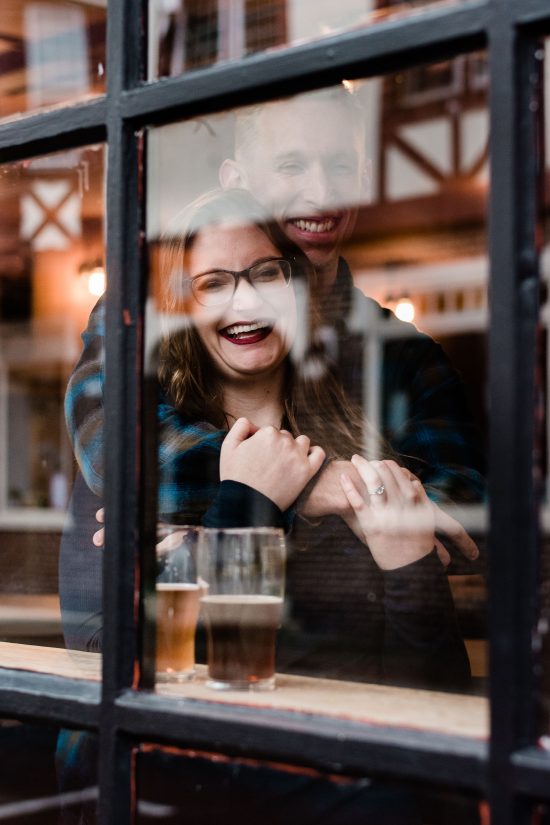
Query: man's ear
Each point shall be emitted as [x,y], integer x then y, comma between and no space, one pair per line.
[231,176]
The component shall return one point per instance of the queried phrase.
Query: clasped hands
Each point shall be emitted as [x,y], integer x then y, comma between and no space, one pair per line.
[384,504]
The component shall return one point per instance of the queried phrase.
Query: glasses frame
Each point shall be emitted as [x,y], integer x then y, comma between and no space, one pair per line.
[244,274]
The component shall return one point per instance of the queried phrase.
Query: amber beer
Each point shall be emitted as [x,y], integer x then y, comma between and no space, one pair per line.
[241,639]
[177,614]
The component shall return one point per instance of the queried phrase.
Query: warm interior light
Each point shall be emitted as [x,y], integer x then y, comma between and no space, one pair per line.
[96,281]
[404,310]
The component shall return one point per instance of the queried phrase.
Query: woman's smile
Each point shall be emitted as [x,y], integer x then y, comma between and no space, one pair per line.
[243,333]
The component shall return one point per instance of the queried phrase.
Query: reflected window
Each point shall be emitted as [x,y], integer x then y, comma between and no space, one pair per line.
[188,34]
[387,215]
[51,260]
[50,53]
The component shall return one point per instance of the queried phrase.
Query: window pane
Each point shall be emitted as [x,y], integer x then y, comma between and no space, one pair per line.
[543,635]
[201,787]
[62,766]
[192,34]
[50,53]
[375,195]
[51,230]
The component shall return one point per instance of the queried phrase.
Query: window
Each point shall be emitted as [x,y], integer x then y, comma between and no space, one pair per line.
[468,70]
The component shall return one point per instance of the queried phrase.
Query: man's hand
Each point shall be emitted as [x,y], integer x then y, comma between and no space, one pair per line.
[327,498]
[271,461]
[98,538]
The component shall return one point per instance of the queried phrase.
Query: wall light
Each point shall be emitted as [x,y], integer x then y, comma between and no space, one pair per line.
[404,310]
[93,274]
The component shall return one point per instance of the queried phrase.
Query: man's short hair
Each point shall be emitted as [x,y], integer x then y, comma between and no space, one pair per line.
[247,118]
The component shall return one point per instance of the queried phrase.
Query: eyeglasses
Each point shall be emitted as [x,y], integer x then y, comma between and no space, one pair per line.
[218,287]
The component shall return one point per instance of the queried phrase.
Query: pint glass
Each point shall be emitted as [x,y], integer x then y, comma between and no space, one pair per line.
[177,601]
[242,574]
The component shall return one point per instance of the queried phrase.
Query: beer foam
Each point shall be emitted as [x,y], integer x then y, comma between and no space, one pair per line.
[173,587]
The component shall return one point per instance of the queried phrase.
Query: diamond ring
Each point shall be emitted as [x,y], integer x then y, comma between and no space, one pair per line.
[379,491]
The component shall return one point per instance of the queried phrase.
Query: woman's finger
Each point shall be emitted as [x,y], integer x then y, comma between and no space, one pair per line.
[372,480]
[356,500]
[304,442]
[391,488]
[443,553]
[315,458]
[408,487]
[100,515]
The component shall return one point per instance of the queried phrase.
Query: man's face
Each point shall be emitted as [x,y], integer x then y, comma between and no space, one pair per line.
[307,166]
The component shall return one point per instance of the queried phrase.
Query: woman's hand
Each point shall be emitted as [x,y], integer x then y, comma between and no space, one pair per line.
[395,517]
[271,461]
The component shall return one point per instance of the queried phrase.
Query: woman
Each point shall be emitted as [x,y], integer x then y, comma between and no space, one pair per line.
[246,359]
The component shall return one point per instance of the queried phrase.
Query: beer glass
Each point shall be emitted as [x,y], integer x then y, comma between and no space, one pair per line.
[177,601]
[242,574]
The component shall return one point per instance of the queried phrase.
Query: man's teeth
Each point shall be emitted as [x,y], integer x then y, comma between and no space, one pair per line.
[239,329]
[326,225]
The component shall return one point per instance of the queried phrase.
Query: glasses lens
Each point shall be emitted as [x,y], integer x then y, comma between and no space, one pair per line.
[213,288]
[268,275]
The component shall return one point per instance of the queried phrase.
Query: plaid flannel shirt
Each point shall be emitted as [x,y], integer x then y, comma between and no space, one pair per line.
[424,413]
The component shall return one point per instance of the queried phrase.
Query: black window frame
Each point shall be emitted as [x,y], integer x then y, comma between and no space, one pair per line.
[508,770]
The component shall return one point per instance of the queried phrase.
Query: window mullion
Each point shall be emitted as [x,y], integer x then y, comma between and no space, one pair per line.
[514,287]
[124,314]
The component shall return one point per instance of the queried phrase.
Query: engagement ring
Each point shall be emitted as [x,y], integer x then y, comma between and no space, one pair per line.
[379,491]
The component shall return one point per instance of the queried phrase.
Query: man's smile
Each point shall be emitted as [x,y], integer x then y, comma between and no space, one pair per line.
[325,223]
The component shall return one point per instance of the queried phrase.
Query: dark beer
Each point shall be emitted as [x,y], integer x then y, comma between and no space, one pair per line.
[177,613]
[241,639]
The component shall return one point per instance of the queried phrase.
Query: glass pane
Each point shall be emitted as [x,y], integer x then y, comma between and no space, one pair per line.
[176,785]
[543,635]
[192,34]
[51,229]
[50,53]
[62,764]
[372,197]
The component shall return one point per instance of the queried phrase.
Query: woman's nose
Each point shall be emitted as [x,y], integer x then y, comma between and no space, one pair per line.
[245,296]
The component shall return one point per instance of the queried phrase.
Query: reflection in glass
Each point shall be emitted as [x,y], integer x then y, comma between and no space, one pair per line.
[51,53]
[62,765]
[173,785]
[381,185]
[194,34]
[51,243]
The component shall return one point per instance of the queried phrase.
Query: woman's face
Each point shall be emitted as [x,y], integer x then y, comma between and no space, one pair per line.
[250,334]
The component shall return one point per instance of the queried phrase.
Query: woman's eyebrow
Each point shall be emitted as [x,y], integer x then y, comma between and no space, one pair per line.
[215,269]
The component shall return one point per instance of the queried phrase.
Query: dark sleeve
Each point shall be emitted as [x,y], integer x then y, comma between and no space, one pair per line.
[80,572]
[238,505]
[84,401]
[428,420]
[423,646]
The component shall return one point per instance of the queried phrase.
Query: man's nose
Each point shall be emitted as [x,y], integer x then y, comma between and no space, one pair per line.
[245,296]
[320,188]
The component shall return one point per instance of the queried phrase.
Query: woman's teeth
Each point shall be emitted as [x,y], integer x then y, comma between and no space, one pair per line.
[240,329]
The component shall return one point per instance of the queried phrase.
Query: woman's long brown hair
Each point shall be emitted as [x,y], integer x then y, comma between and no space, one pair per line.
[314,402]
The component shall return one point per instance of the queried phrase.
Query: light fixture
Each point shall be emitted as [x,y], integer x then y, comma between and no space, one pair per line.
[93,274]
[404,310]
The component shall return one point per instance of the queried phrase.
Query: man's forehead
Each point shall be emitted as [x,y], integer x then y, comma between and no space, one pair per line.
[301,127]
